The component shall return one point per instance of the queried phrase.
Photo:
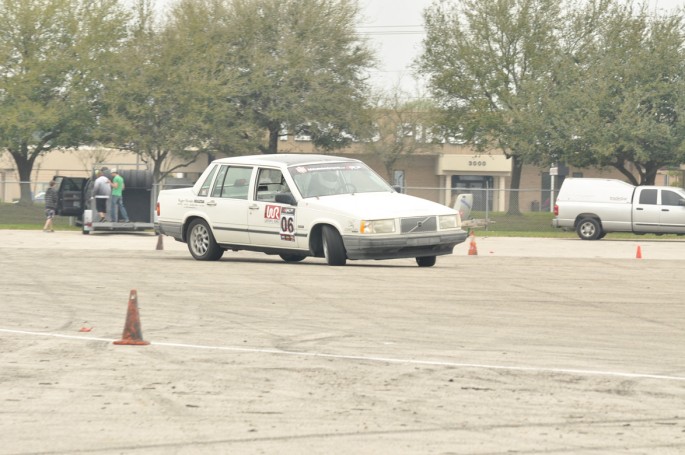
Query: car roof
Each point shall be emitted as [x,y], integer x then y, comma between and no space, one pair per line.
[288,159]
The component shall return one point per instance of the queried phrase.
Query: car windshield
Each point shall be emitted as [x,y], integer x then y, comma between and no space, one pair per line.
[328,179]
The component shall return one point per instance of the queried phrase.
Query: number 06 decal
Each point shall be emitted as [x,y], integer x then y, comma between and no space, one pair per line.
[288,224]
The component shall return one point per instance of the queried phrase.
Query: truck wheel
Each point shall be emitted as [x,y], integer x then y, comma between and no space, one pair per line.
[426,261]
[201,243]
[589,229]
[333,247]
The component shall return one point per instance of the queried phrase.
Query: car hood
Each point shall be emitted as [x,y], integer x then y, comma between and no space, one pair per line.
[378,205]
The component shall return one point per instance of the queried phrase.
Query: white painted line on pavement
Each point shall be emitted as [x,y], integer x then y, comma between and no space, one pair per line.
[363,358]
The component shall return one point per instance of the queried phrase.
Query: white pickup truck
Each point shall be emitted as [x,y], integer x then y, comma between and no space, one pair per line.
[593,207]
[304,205]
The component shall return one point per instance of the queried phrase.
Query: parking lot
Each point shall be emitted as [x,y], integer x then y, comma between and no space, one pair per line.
[555,346]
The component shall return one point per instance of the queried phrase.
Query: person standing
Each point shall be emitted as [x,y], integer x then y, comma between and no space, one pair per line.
[118,198]
[50,206]
[102,190]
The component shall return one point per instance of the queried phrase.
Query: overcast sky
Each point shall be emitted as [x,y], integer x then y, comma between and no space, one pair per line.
[394,29]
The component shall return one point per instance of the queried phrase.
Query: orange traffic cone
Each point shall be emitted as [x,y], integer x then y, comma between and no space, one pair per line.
[638,255]
[132,332]
[473,250]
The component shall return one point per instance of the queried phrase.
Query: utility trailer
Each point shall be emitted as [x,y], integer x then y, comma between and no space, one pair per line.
[75,199]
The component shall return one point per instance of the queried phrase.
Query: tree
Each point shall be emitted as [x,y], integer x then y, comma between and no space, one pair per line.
[53,60]
[398,128]
[200,35]
[488,64]
[625,104]
[153,103]
[291,67]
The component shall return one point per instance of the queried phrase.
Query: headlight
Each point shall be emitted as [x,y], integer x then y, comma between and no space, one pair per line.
[449,222]
[377,227]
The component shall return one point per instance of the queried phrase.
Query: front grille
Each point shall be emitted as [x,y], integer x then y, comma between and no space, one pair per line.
[419,224]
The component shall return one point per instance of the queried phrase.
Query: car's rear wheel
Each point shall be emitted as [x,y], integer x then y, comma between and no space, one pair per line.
[333,247]
[292,257]
[589,229]
[426,261]
[201,243]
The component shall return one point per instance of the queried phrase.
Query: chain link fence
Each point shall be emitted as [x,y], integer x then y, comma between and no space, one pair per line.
[493,209]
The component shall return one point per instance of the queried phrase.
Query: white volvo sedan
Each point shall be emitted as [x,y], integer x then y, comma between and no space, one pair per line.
[300,205]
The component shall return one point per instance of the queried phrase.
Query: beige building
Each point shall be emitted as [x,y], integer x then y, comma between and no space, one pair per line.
[438,175]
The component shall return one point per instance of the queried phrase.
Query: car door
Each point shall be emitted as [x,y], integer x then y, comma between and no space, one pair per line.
[227,204]
[71,198]
[271,224]
[672,214]
[646,211]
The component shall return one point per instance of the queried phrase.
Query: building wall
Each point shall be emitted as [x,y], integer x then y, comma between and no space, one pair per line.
[438,175]
[73,163]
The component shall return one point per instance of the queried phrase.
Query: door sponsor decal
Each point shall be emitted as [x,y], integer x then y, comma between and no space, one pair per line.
[272,214]
[288,224]
[285,216]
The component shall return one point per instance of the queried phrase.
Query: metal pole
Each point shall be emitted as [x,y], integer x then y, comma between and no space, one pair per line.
[551,193]
[487,201]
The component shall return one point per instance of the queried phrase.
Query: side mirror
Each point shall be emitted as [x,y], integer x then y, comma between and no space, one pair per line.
[286,198]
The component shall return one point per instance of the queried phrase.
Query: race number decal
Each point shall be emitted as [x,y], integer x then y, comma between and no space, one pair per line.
[288,224]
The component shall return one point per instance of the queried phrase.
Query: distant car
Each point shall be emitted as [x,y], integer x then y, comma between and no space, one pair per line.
[300,205]
[40,197]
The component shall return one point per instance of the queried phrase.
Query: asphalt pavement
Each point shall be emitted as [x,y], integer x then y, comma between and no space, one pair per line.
[670,247]
[532,346]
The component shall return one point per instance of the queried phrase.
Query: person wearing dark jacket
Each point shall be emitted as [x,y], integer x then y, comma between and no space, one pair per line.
[50,207]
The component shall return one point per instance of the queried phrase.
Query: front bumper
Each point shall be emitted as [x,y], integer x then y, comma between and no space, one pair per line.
[402,246]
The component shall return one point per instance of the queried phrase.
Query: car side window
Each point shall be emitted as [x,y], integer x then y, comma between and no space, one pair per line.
[219,182]
[269,183]
[234,184]
[204,189]
[68,184]
[648,197]
[670,198]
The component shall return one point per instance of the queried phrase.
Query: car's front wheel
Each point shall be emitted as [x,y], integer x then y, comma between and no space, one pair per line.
[201,243]
[426,261]
[333,247]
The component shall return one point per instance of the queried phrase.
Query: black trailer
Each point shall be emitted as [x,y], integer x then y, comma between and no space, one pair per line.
[75,199]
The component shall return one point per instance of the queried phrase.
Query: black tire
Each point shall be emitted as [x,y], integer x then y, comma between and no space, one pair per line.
[333,247]
[292,257]
[201,243]
[426,261]
[589,229]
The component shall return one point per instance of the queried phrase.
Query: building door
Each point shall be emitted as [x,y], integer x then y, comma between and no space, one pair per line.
[478,185]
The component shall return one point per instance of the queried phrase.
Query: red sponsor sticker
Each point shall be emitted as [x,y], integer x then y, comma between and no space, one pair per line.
[272,212]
